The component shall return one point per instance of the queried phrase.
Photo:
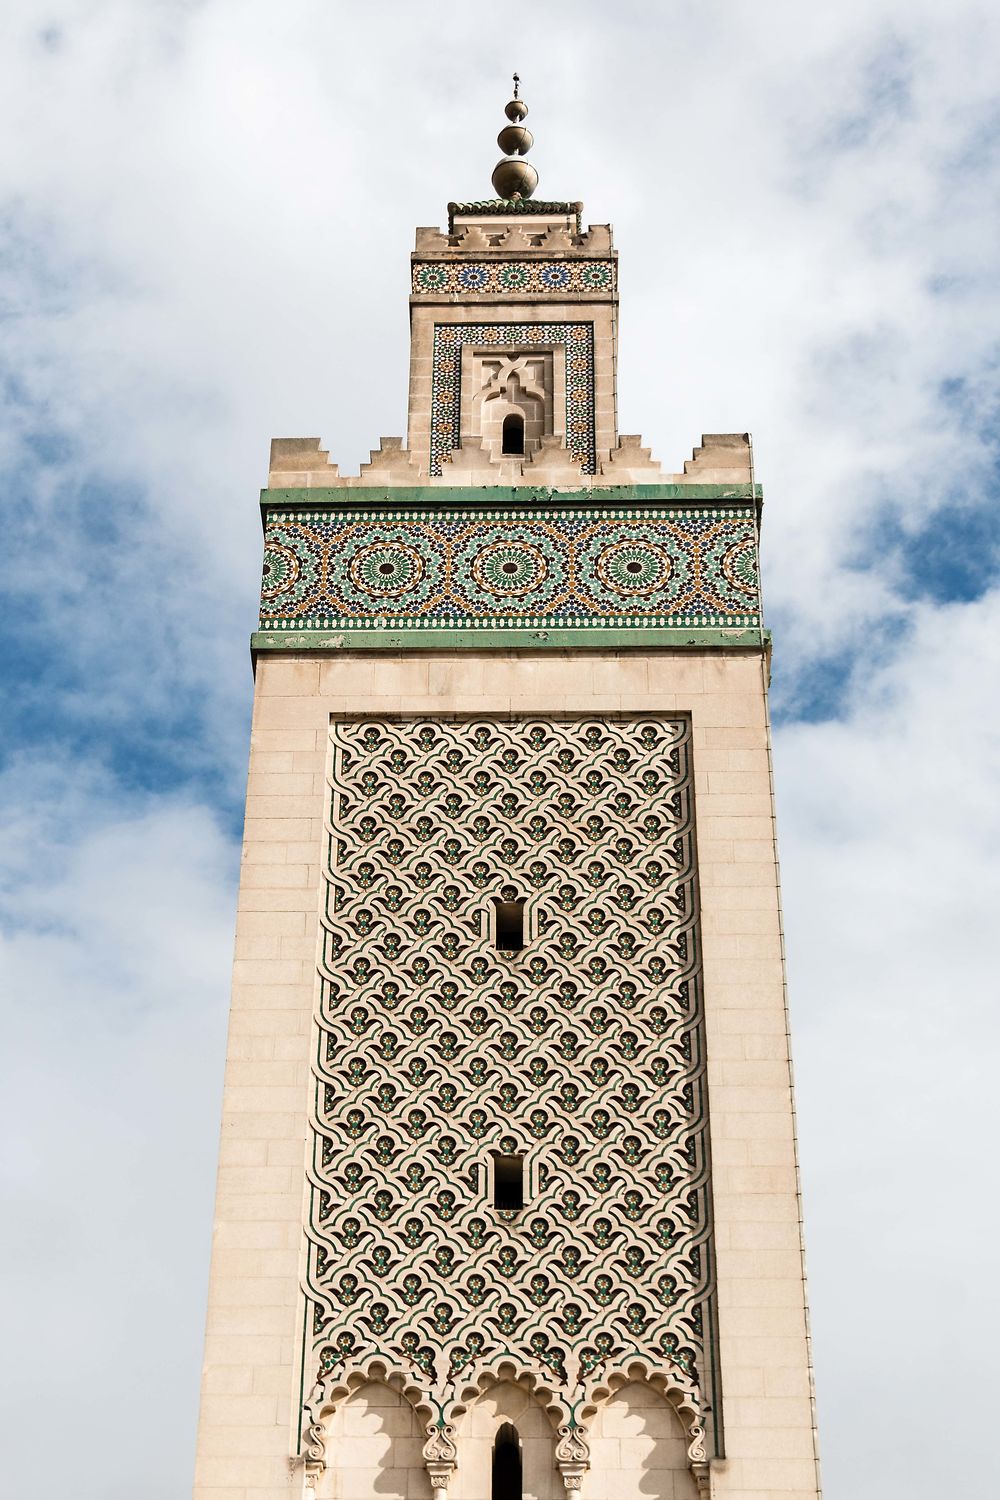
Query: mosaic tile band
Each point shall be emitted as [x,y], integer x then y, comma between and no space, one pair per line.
[694,566]
[498,277]
[446,384]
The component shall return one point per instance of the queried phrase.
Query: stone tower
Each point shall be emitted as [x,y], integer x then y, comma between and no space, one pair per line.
[507,1202]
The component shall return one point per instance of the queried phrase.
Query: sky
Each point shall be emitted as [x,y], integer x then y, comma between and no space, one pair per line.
[206,209]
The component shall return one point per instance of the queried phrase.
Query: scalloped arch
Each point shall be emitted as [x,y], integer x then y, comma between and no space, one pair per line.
[332,1391]
[682,1395]
[488,1375]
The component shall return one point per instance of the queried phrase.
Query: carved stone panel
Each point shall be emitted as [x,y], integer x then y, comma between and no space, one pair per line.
[582,1052]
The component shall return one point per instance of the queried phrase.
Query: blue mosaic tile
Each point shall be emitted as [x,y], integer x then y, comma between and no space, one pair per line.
[455,569]
[495,277]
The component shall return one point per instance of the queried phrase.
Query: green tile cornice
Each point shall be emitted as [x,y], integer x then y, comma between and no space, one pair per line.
[497,497]
[596,638]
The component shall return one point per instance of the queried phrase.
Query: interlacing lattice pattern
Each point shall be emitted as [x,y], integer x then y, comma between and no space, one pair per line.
[584,1052]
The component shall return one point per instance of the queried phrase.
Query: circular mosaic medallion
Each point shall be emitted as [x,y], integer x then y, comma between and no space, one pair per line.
[293,558]
[432,278]
[282,571]
[512,567]
[632,565]
[386,570]
[739,567]
[598,275]
[514,276]
[510,570]
[633,569]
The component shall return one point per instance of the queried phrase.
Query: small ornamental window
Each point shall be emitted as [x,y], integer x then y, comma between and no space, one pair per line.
[513,434]
[507,1482]
[508,1181]
[509,922]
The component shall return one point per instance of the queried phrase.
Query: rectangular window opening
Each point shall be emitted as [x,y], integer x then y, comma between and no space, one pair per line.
[508,1181]
[509,925]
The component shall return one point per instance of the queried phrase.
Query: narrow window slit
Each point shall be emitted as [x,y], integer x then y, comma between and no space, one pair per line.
[508,1181]
[513,434]
[506,1464]
[509,924]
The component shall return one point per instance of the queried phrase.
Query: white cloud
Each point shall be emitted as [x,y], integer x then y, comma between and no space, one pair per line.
[114,967]
[890,826]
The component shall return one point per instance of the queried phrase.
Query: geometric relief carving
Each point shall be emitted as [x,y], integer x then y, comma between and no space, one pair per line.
[446,382]
[583,1052]
[447,568]
[513,385]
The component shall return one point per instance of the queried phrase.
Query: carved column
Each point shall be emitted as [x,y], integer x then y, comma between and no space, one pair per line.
[572,1456]
[440,1457]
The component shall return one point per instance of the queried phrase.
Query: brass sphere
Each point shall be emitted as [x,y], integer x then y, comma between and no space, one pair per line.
[516,110]
[515,140]
[512,177]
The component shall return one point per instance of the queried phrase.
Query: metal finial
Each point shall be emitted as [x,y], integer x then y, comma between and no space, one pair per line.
[512,177]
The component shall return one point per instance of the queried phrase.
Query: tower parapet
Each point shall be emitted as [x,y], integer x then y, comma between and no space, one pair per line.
[513,330]
[515,512]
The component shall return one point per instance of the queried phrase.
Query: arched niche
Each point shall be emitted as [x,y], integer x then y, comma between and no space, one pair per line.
[515,403]
[512,435]
[638,1448]
[502,1406]
[374,1447]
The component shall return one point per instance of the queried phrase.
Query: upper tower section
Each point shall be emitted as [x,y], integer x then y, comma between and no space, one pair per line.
[513,325]
[513,355]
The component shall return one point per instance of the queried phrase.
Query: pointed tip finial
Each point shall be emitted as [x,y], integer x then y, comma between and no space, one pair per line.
[513,178]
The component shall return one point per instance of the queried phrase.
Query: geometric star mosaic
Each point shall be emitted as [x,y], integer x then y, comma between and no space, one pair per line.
[459,569]
[493,277]
[584,1052]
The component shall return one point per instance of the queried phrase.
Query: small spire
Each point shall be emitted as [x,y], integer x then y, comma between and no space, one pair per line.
[513,178]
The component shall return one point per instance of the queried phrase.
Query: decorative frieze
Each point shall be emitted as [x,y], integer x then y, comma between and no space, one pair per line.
[499,277]
[450,569]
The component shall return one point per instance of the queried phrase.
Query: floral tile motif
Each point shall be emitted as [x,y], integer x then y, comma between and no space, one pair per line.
[446,383]
[495,277]
[453,569]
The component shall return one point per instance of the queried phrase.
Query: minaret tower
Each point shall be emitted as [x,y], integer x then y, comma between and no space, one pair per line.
[507,1201]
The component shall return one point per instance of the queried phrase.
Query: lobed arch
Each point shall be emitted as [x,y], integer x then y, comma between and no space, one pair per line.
[484,1376]
[678,1395]
[519,386]
[508,1404]
[334,1391]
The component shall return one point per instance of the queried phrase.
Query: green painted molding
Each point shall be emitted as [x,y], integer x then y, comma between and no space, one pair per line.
[500,497]
[502,208]
[596,638]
